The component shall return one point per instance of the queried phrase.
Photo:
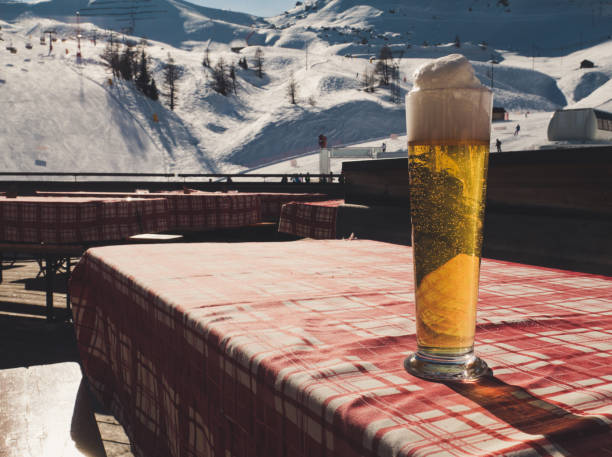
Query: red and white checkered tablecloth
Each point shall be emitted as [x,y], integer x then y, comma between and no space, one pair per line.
[296,349]
[271,203]
[310,219]
[62,220]
[197,210]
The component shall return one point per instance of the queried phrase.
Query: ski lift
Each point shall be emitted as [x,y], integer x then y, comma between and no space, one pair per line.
[13,49]
[28,45]
[42,40]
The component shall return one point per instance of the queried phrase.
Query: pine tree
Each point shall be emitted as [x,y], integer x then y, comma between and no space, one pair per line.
[110,56]
[259,59]
[143,76]
[292,89]
[126,63]
[171,75]
[232,75]
[206,60]
[220,82]
[152,91]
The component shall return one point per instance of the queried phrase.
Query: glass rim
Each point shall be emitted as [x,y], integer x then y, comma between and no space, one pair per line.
[483,89]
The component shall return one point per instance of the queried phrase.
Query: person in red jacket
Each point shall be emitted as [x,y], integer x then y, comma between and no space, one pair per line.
[322,141]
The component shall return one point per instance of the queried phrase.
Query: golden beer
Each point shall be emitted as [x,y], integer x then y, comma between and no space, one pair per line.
[448,125]
[447,193]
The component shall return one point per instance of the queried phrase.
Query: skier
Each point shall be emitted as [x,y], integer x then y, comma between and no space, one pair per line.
[498,145]
[384,147]
[517,130]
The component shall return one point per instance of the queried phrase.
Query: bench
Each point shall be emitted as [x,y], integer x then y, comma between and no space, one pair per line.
[52,256]
[49,257]
[46,410]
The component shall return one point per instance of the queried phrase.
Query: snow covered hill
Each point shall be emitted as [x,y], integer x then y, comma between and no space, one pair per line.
[60,113]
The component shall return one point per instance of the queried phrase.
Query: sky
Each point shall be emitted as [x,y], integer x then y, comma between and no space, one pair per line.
[262,8]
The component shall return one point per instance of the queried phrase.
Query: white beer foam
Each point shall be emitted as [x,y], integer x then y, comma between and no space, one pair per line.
[448,104]
[449,72]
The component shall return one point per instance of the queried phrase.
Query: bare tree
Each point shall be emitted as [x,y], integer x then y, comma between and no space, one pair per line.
[369,80]
[396,91]
[383,67]
[259,59]
[171,75]
[206,60]
[292,89]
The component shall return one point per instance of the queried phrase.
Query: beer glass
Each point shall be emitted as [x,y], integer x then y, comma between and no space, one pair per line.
[448,148]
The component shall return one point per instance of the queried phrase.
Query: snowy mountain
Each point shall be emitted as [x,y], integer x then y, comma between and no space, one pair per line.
[61,113]
[543,27]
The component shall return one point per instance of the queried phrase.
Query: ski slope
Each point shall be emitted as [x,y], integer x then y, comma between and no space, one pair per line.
[60,113]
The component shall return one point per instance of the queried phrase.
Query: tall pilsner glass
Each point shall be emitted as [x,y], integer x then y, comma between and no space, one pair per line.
[448,149]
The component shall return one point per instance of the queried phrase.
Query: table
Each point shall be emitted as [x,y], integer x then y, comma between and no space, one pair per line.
[310,219]
[296,349]
[63,220]
[56,228]
[272,203]
[195,211]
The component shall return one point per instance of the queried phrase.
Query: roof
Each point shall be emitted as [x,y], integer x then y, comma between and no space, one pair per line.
[602,114]
[598,113]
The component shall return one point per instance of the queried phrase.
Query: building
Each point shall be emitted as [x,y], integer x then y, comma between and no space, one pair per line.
[584,124]
[586,64]
[499,114]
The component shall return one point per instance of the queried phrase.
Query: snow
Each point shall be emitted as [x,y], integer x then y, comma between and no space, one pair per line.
[63,113]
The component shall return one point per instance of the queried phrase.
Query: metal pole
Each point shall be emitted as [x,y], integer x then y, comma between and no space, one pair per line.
[49,276]
[78,19]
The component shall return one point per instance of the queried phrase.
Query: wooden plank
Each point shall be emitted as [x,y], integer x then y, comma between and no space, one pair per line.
[26,339]
[45,410]
[42,249]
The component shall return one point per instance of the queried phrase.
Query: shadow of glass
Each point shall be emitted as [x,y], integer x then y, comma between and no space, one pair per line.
[575,435]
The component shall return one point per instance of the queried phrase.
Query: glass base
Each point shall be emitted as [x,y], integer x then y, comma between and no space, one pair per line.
[464,368]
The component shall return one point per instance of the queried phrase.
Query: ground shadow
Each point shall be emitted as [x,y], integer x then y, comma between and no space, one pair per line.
[576,435]
[27,341]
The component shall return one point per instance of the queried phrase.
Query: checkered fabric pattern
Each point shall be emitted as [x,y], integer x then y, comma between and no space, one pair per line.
[61,220]
[310,219]
[209,211]
[271,203]
[198,210]
[297,349]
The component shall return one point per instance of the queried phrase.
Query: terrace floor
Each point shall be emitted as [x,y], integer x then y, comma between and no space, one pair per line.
[26,339]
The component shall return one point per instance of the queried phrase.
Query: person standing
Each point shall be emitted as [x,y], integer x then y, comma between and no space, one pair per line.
[498,145]
[322,141]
